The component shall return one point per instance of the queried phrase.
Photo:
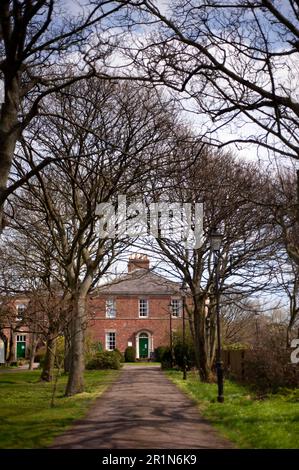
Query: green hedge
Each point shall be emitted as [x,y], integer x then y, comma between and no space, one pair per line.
[104,360]
[120,355]
[159,352]
[130,354]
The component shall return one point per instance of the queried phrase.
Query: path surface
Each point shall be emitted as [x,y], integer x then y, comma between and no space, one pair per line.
[142,410]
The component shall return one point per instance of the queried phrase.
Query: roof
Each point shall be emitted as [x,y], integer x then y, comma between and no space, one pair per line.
[137,282]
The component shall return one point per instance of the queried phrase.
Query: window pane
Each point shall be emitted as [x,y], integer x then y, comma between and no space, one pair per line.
[143,307]
[176,307]
[110,341]
[110,308]
[21,338]
[21,311]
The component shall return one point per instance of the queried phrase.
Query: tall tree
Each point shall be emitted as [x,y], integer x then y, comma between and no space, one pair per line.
[237,60]
[107,140]
[44,46]
[225,187]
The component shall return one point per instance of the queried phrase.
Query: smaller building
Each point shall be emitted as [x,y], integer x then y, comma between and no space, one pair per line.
[141,309]
[14,331]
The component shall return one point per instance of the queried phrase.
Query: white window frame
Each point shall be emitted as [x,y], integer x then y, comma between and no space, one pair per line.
[108,340]
[176,311]
[143,308]
[21,338]
[110,308]
[23,308]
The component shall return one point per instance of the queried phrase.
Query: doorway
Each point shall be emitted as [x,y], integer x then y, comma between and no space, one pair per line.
[143,346]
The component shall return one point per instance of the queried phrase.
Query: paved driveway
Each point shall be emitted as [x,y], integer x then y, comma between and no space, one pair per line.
[142,410]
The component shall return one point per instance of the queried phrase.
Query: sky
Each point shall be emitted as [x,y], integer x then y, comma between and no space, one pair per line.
[286,76]
[248,152]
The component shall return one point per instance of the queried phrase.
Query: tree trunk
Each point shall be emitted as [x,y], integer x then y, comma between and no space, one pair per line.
[77,364]
[47,372]
[9,133]
[200,340]
[32,350]
[67,349]
[12,355]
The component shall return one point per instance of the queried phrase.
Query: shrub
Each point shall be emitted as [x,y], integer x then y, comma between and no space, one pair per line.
[166,358]
[104,360]
[188,351]
[268,367]
[59,352]
[120,355]
[91,349]
[130,354]
[180,350]
[159,351]
[40,355]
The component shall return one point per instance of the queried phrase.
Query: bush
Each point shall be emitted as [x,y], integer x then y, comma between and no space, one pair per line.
[180,350]
[188,351]
[159,351]
[40,355]
[91,349]
[104,360]
[166,358]
[119,355]
[59,352]
[163,354]
[268,367]
[130,354]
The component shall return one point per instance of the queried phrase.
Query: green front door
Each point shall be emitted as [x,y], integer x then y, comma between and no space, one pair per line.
[21,349]
[143,347]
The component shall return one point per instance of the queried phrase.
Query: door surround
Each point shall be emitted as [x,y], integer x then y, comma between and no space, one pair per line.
[139,335]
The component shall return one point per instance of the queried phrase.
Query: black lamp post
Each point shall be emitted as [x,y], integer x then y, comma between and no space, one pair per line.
[170,336]
[184,289]
[215,240]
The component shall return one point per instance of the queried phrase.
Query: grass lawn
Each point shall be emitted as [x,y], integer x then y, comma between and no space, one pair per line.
[272,423]
[26,418]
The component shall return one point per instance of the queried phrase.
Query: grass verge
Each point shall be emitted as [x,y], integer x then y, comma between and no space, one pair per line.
[271,423]
[26,418]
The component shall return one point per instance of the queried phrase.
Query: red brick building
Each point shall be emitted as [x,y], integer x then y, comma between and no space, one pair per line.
[14,335]
[140,309]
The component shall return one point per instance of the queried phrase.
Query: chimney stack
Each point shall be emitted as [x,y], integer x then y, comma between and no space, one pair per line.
[138,261]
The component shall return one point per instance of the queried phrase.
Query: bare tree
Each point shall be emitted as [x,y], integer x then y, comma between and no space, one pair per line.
[33,278]
[280,194]
[12,287]
[113,138]
[223,185]
[44,46]
[239,317]
[237,60]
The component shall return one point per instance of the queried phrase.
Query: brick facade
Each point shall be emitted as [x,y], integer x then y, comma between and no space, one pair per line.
[129,328]
[14,331]
[125,293]
[128,325]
